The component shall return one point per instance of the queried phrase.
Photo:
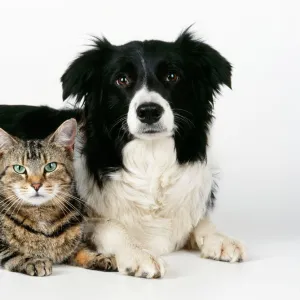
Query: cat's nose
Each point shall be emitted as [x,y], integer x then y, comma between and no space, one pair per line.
[36,185]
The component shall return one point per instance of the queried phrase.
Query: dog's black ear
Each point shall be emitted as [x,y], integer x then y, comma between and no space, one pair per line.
[85,71]
[206,62]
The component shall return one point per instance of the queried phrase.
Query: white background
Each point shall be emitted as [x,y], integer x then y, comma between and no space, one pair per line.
[255,134]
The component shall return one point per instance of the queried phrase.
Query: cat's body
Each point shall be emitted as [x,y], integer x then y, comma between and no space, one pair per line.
[41,219]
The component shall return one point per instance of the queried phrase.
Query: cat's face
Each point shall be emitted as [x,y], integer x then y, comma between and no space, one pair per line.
[36,172]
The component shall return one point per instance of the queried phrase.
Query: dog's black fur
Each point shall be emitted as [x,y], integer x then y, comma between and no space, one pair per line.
[91,78]
[34,122]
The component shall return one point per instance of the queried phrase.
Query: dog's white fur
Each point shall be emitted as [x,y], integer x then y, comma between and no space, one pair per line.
[153,205]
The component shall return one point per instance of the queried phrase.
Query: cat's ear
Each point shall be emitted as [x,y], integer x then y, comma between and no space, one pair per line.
[6,141]
[65,135]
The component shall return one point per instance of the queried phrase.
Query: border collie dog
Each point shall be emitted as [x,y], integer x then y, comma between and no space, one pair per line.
[142,153]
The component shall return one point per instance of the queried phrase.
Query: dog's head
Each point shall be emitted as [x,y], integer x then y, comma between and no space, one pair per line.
[151,89]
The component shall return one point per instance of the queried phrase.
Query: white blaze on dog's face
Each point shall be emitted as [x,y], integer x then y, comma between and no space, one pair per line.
[150,115]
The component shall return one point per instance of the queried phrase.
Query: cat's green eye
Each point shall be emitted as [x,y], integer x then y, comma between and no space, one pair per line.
[50,167]
[19,169]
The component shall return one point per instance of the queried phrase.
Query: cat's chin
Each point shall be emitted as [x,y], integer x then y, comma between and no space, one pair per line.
[36,200]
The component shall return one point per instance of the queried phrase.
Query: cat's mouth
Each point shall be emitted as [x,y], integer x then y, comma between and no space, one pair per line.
[37,195]
[35,198]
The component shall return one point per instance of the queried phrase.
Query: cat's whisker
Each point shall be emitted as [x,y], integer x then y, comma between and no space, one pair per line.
[9,199]
[81,201]
[18,204]
[62,202]
[70,205]
[9,206]
[69,195]
[64,208]
[72,197]
[74,208]
[67,203]
[21,204]
[60,206]
[5,197]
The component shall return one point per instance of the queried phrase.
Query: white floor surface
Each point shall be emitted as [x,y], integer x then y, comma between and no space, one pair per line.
[272,271]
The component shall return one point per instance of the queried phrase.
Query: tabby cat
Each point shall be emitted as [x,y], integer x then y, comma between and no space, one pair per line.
[41,218]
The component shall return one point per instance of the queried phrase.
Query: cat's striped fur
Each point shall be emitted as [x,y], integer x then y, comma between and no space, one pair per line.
[41,219]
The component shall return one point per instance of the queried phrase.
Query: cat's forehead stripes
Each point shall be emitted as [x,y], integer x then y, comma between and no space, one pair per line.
[33,150]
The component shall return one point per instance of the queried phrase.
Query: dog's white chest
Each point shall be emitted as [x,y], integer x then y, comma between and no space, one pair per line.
[158,200]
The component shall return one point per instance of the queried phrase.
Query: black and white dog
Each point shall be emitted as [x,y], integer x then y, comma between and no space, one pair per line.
[143,158]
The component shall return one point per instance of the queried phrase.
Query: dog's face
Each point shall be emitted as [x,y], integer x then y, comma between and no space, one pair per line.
[148,78]
[149,89]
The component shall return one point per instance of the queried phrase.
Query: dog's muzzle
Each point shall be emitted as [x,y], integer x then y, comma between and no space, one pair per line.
[149,113]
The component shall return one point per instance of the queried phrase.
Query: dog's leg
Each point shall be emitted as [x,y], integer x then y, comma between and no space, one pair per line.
[214,245]
[112,238]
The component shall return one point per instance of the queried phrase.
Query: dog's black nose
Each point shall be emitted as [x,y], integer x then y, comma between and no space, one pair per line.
[149,112]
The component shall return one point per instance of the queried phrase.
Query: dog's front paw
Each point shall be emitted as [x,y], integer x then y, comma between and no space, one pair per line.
[223,248]
[140,263]
[38,267]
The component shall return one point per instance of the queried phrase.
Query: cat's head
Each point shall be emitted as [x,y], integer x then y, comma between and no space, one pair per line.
[36,171]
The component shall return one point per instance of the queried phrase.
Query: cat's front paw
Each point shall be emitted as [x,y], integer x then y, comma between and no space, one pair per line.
[140,263]
[38,267]
[104,263]
[223,248]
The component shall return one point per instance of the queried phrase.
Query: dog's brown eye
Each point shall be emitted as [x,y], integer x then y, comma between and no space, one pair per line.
[172,77]
[123,81]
